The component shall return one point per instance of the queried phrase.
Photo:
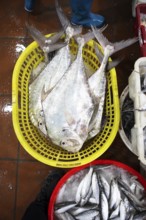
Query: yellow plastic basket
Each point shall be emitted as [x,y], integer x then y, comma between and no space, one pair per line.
[29,137]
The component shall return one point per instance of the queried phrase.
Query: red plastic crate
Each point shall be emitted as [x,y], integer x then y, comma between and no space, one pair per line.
[141,27]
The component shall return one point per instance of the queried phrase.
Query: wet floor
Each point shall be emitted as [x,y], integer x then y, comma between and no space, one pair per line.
[21,175]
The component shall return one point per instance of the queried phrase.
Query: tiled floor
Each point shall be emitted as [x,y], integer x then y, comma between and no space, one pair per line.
[21,175]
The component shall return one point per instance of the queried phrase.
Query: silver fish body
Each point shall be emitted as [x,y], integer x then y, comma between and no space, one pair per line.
[46,80]
[95,187]
[87,215]
[69,107]
[104,207]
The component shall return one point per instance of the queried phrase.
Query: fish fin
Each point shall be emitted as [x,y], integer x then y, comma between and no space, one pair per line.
[55,37]
[103,41]
[40,38]
[124,43]
[36,35]
[113,64]
[117,45]
[66,24]
[98,52]
[62,17]
[86,37]
[77,30]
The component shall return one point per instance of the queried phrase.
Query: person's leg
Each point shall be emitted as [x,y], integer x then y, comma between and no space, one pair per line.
[38,209]
[34,211]
[29,5]
[82,15]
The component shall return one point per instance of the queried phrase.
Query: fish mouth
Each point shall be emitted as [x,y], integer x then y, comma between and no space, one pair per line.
[72,145]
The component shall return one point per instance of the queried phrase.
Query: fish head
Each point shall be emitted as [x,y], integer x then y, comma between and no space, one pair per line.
[70,140]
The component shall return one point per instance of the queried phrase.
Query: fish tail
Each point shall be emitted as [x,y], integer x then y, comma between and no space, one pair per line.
[35,34]
[62,17]
[66,24]
[41,39]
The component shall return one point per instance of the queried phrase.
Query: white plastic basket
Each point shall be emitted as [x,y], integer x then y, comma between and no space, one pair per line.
[122,133]
[138,132]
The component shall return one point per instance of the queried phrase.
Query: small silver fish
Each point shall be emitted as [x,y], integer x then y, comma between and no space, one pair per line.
[64,207]
[87,215]
[95,187]
[122,210]
[104,207]
[77,210]
[115,196]
[104,185]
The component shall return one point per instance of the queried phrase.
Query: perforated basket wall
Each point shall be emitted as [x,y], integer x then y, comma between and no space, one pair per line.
[37,145]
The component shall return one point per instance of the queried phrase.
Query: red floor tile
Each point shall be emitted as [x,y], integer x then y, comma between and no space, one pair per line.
[8,140]
[24,155]
[13,18]
[30,179]
[8,57]
[7,189]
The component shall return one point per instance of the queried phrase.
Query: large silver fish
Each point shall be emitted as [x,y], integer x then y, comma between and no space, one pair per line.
[52,73]
[97,82]
[69,107]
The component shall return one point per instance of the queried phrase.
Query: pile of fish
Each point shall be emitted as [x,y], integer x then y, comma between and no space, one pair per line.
[64,103]
[103,192]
